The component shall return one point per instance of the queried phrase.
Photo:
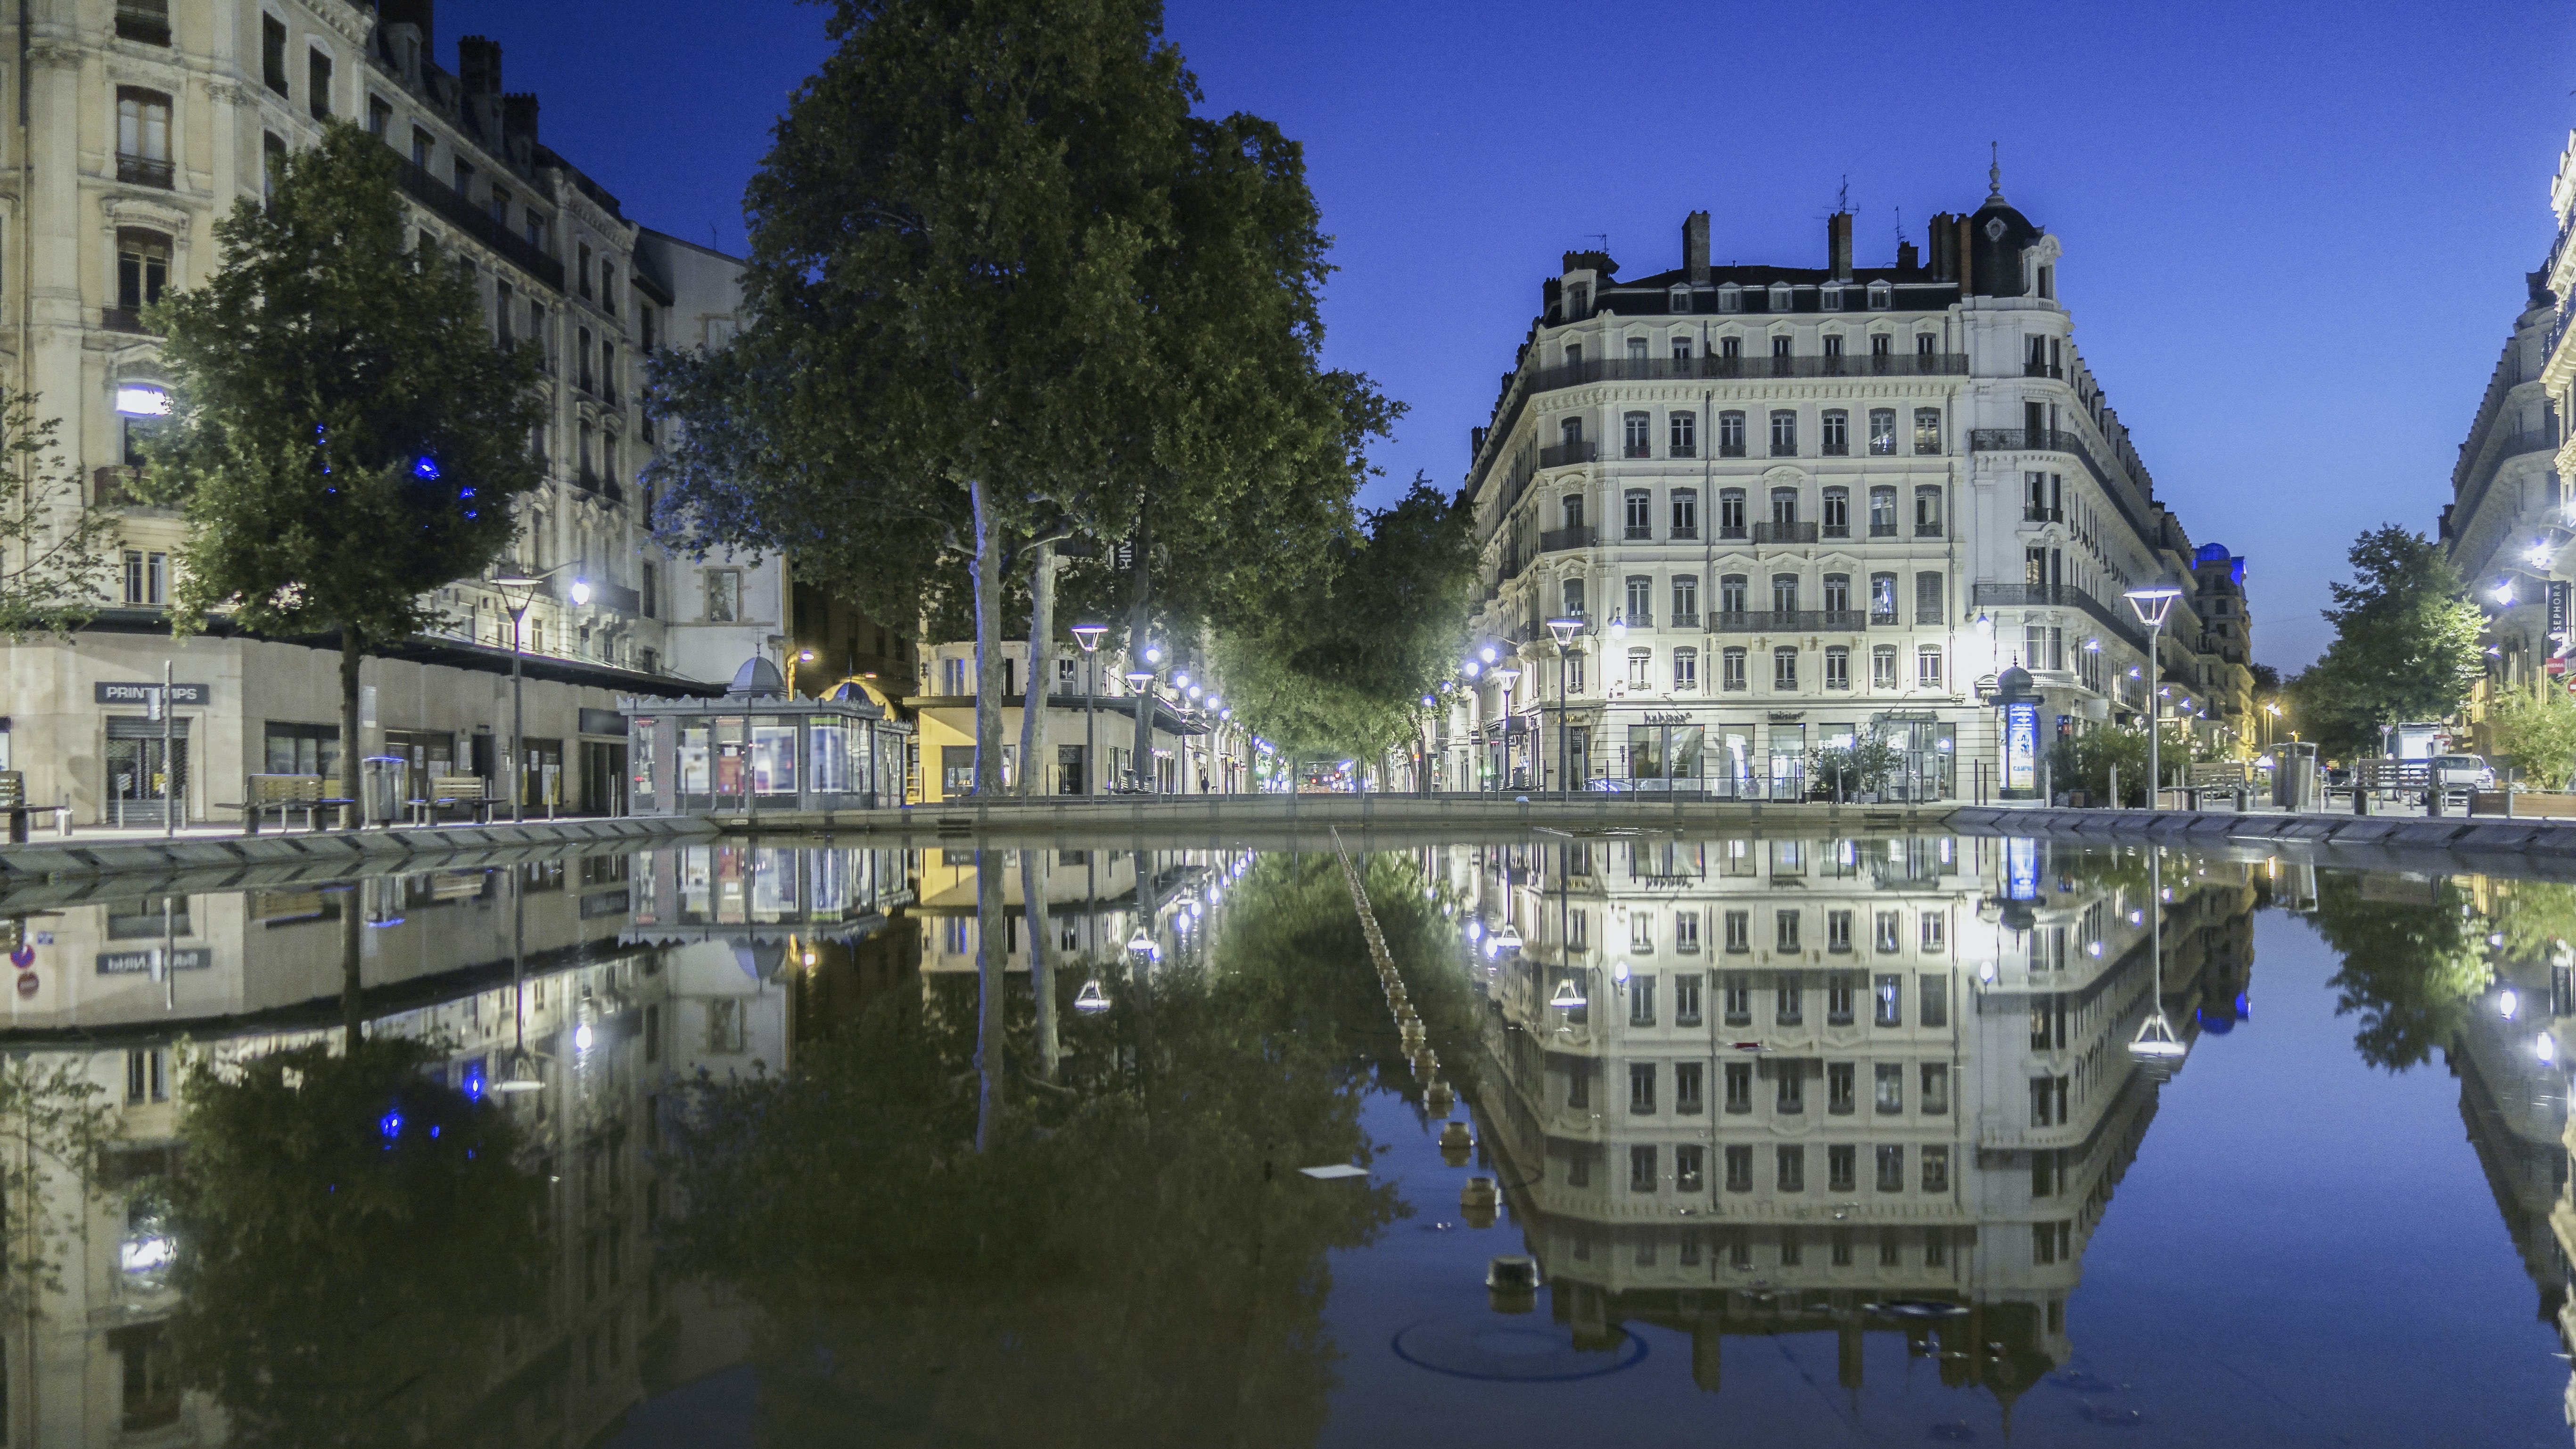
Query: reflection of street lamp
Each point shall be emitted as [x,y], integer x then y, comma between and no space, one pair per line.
[527,585]
[1089,636]
[2153,602]
[1140,683]
[2155,1046]
[1506,677]
[1564,629]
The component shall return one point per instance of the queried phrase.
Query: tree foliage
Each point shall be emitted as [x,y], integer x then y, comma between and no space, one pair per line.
[353,1237]
[54,544]
[2410,967]
[1340,668]
[2537,732]
[346,434]
[2405,646]
[54,1121]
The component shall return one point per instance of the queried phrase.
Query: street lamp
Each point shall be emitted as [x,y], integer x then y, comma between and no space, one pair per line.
[1089,636]
[1506,677]
[1564,629]
[527,585]
[2153,603]
[1140,683]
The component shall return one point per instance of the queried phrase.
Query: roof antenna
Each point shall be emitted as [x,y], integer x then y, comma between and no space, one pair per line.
[1995,172]
[1842,198]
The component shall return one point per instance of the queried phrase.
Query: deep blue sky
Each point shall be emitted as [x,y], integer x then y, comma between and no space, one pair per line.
[2295,233]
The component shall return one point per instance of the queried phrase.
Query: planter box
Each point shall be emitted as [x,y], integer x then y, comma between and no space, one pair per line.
[2527,805]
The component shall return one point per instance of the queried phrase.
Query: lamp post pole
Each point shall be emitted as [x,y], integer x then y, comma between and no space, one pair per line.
[1088,636]
[527,587]
[2153,602]
[1564,629]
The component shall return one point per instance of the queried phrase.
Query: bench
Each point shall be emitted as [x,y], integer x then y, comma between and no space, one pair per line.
[284,794]
[447,792]
[13,801]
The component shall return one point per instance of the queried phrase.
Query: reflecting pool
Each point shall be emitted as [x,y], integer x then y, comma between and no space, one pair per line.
[1562,1137]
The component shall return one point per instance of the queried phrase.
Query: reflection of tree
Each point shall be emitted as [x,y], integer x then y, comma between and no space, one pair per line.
[53,1123]
[354,1235]
[1132,1258]
[2409,967]
[2536,917]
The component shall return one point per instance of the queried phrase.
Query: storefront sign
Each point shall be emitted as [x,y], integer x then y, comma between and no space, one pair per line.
[1662,717]
[2021,868]
[2021,745]
[140,695]
[2558,609]
[136,963]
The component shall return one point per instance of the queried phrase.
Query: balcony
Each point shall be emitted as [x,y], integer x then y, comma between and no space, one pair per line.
[1701,369]
[1558,540]
[1928,530]
[1735,531]
[1784,533]
[1685,450]
[2041,596]
[1837,530]
[1882,530]
[1567,454]
[1638,533]
[124,319]
[599,485]
[143,23]
[2031,513]
[2042,369]
[1930,616]
[475,222]
[144,171]
[1686,621]
[1788,621]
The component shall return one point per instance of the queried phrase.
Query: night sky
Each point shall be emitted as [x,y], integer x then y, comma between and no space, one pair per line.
[2295,234]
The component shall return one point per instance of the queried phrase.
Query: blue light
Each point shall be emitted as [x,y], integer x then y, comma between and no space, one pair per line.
[433,1131]
[426,468]
[464,492]
[390,1125]
[470,513]
[474,1087]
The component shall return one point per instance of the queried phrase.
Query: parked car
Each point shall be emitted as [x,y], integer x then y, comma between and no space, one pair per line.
[2463,772]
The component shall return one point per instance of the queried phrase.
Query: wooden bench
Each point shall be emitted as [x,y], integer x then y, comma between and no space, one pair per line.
[13,802]
[284,794]
[446,792]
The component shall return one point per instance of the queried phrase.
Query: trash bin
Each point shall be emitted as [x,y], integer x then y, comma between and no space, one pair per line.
[2294,778]
[383,786]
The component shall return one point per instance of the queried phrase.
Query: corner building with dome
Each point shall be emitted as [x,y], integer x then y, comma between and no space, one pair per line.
[1792,505]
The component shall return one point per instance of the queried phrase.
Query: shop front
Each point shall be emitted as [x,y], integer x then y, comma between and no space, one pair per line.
[741,756]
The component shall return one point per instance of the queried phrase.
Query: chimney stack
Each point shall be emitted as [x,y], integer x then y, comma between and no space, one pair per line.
[1695,247]
[478,65]
[1838,244]
[1907,259]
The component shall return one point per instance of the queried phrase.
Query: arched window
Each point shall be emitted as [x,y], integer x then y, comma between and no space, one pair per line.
[1784,506]
[1784,433]
[1784,667]
[1838,593]
[1733,592]
[142,272]
[1784,593]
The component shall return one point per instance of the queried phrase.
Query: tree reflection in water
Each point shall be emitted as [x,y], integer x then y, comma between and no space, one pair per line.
[1133,1258]
[355,1237]
[2413,958]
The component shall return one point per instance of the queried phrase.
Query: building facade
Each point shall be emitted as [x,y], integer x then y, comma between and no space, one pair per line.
[145,122]
[2506,526]
[1795,505]
[1091,713]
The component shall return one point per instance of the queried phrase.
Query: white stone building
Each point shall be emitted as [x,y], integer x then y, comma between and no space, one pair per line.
[1791,504]
[149,120]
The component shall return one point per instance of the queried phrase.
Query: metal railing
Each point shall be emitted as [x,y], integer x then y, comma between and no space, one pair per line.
[2042,596]
[1784,533]
[146,21]
[1558,540]
[477,223]
[144,171]
[2031,514]
[1568,453]
[1704,369]
[1782,621]
[2058,440]
[124,319]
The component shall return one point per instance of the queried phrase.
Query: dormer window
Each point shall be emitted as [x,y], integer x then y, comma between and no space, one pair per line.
[1779,296]
[1730,298]
[1679,300]
[1881,295]
[1578,301]
[1831,299]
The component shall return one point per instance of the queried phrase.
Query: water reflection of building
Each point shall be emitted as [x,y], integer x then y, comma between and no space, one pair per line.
[1095,899]
[608,1013]
[1832,1086]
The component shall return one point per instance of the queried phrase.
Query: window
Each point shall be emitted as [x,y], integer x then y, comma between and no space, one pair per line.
[1639,506]
[1784,667]
[1739,1087]
[1739,930]
[1837,667]
[1730,298]
[724,595]
[1888,992]
[1927,598]
[1882,431]
[1685,510]
[1641,1087]
[142,268]
[1927,511]
[1888,1087]
[2052,1243]
[1927,666]
[1838,1001]
[1780,303]
[1636,349]
[143,137]
[1641,1169]
[1784,433]
[272,150]
[1927,424]
[1784,925]
[1790,1167]
[1640,669]
[1837,433]
[1882,666]
[1882,513]
[423,147]
[317,84]
[1932,930]
[1739,1000]
[1641,599]
[147,1076]
[380,118]
[1891,1170]
[1731,671]
[1789,1002]
[147,577]
[1842,1174]
[1932,998]
[1936,1178]
[582,273]
[1682,431]
[1686,601]
[1690,1174]
[650,602]
[146,22]
[1730,513]
[1936,1089]
[1685,670]
[1641,939]
[1730,435]
[1686,983]
[1739,1178]
[1784,593]
[1688,1097]
[2047,1101]
[1572,597]
[1889,923]
[1881,295]
[1634,438]
[272,52]
[1837,513]
[1790,1098]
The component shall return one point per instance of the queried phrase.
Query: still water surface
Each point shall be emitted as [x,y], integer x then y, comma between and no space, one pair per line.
[1805,1142]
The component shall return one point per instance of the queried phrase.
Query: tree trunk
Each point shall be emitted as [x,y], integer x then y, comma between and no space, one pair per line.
[352,643]
[1140,616]
[988,642]
[992,963]
[353,909]
[1033,894]
[1041,680]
